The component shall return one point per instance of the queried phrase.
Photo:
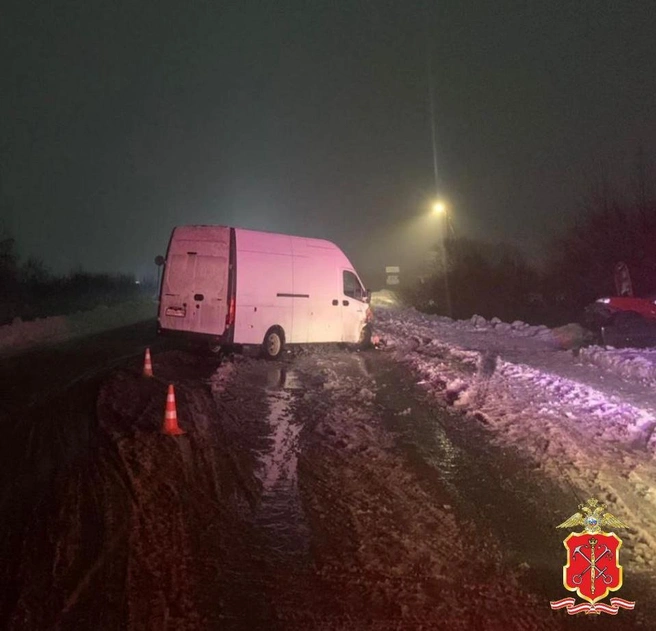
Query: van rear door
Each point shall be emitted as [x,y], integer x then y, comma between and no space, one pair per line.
[194,295]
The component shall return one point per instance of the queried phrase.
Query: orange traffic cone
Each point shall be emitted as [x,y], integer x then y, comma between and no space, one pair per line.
[148,365]
[171,416]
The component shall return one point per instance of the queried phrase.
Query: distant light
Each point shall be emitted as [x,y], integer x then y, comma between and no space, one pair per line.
[604,301]
[137,282]
[439,208]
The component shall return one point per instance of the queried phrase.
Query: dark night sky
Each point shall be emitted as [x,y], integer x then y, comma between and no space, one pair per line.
[122,119]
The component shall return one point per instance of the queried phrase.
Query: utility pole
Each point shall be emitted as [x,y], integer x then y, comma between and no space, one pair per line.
[445,228]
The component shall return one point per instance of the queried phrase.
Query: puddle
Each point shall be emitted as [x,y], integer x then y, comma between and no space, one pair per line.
[280,512]
[281,377]
[279,462]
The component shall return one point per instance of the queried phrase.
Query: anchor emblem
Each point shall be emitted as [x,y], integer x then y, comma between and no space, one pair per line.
[593,568]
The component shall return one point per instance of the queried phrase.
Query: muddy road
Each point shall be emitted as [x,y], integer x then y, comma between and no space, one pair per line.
[322,491]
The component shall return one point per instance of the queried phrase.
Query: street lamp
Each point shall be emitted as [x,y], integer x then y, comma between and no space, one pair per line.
[439,207]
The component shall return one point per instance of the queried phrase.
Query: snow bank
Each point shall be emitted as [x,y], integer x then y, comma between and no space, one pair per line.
[20,336]
[629,363]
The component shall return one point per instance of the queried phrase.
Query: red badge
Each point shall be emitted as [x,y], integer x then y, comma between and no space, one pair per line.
[593,567]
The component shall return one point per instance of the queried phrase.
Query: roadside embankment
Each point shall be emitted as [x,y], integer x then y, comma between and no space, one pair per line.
[20,336]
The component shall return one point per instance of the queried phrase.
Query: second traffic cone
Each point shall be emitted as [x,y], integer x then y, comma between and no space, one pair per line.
[170,426]
[148,365]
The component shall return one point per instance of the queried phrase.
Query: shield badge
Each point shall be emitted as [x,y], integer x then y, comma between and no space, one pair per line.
[593,567]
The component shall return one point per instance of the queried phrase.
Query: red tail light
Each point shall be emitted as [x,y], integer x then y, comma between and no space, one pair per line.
[230,316]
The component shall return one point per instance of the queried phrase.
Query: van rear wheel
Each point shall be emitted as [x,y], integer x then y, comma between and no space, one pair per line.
[273,343]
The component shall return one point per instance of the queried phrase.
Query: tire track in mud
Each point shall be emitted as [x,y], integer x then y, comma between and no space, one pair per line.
[496,494]
[41,450]
[292,503]
[195,532]
[191,493]
[593,462]
[49,428]
[134,533]
[393,547]
[280,513]
[270,564]
[385,552]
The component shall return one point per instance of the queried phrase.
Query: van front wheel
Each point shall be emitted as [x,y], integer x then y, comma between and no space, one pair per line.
[273,343]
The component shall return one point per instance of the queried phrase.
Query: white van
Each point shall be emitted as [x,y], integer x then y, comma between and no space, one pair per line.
[244,287]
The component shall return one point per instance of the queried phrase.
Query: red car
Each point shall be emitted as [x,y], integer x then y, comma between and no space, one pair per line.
[608,310]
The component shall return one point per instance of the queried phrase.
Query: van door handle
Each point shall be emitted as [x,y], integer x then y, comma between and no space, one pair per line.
[345,303]
[335,303]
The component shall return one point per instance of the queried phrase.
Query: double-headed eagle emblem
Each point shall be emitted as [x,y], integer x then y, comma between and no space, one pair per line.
[593,518]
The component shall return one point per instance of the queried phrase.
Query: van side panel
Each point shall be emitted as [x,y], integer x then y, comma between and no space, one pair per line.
[301,299]
[264,296]
[316,275]
[194,290]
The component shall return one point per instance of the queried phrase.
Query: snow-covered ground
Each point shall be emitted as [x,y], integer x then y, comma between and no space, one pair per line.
[586,416]
[20,336]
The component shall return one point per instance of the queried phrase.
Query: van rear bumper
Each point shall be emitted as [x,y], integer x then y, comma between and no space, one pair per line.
[201,338]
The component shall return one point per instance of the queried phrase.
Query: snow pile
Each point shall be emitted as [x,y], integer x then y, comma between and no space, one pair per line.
[20,335]
[626,362]
[586,418]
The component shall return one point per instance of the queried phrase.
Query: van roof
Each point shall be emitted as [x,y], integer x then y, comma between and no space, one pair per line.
[200,233]
[205,232]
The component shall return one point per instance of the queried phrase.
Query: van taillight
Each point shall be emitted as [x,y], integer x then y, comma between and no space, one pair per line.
[230,316]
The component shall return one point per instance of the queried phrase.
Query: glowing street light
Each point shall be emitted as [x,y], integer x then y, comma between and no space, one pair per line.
[439,207]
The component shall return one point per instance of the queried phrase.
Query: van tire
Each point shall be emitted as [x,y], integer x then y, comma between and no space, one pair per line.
[273,343]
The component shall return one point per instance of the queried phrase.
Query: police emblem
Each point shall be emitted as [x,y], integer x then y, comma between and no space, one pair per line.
[593,567]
